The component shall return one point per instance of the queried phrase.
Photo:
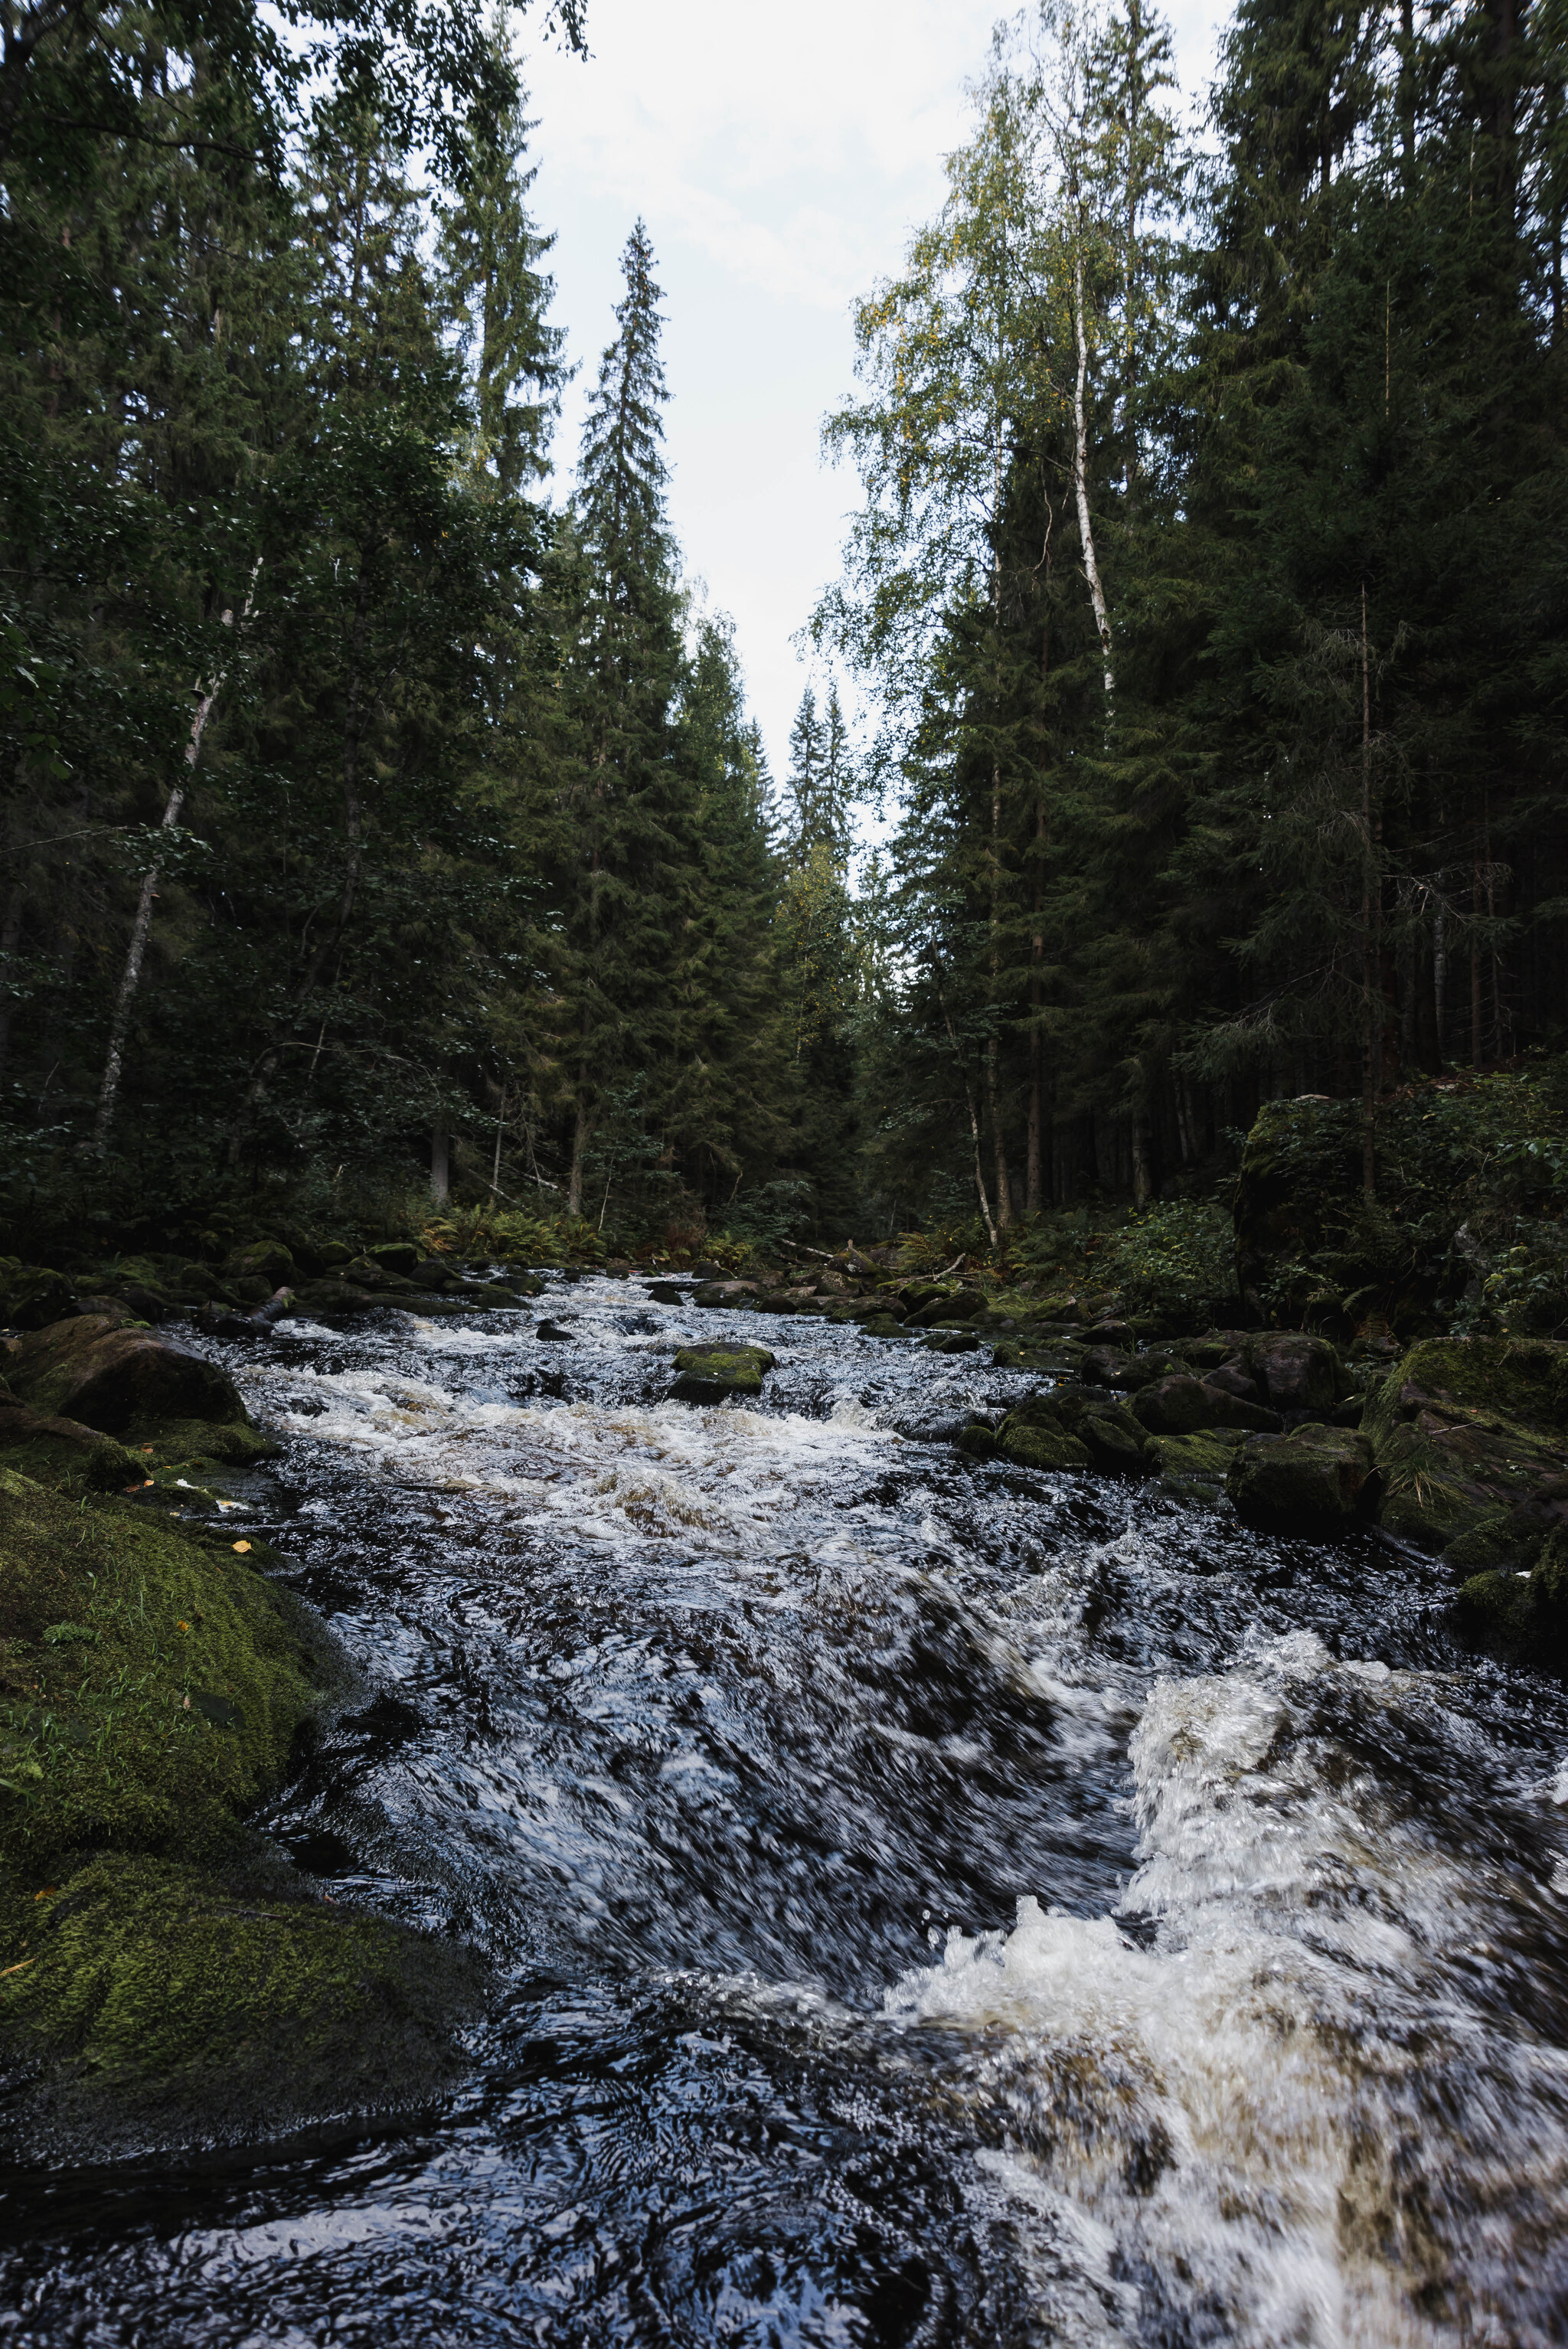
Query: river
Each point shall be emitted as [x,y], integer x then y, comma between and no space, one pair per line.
[933,1903]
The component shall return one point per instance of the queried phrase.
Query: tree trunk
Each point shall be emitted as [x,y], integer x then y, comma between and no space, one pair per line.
[1371,968]
[581,1134]
[440,1165]
[10,939]
[1080,480]
[130,976]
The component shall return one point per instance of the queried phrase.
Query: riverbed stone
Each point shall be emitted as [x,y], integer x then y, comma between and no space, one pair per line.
[113,1377]
[1192,1468]
[1314,1480]
[1040,1443]
[261,1259]
[711,1374]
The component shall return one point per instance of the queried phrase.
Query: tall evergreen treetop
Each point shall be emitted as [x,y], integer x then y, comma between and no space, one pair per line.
[497,295]
[622,472]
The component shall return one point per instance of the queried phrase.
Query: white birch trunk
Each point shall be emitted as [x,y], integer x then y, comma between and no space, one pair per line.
[1081,477]
[131,977]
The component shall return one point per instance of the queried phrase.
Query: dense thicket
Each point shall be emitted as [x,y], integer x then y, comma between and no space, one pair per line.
[1215,593]
[374,808]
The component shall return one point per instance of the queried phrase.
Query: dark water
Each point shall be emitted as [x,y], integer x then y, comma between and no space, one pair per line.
[938,1904]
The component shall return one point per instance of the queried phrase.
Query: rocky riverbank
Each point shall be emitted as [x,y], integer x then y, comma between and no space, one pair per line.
[166,1977]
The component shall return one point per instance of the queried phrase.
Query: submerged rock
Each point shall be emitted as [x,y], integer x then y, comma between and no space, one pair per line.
[712,1373]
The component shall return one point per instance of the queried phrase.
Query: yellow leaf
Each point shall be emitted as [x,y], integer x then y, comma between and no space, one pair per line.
[242,1546]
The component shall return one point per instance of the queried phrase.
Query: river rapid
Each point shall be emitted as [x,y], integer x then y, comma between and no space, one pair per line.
[933,1903]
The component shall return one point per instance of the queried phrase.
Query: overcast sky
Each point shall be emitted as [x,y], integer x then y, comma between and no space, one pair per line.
[780,156]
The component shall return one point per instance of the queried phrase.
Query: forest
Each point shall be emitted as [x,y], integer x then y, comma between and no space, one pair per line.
[382,814]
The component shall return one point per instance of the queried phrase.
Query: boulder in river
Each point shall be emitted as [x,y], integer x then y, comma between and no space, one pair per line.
[1471,1435]
[1315,1480]
[113,1379]
[1523,1613]
[1181,1406]
[1299,1375]
[714,1374]
[1192,1468]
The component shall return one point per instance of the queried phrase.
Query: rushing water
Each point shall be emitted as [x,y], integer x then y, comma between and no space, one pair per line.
[936,1903]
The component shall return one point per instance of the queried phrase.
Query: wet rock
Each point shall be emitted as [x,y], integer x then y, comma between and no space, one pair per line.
[398,1256]
[668,1292]
[953,1341]
[112,1379]
[1471,1436]
[32,1295]
[1315,1480]
[1230,1378]
[1522,1614]
[1032,1440]
[554,1333]
[266,1260]
[724,1292]
[712,1373]
[1111,1366]
[1299,1375]
[1119,1334]
[1192,1468]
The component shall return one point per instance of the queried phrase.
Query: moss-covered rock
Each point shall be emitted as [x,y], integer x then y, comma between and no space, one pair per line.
[62,1453]
[260,1260]
[1312,1481]
[32,1295]
[113,1377]
[1470,1438]
[174,1707]
[156,2003]
[164,1977]
[1192,1468]
[1523,1613]
[1033,1436]
[1113,1437]
[712,1373]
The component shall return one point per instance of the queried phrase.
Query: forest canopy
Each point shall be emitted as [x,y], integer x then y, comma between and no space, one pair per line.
[381,806]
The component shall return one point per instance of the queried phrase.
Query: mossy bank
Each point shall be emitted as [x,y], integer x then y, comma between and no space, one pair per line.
[166,1978]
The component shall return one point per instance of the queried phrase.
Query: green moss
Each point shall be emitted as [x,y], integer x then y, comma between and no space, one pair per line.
[1524,1379]
[1522,1614]
[1192,1468]
[1037,1442]
[181,1710]
[712,1373]
[88,1463]
[150,2001]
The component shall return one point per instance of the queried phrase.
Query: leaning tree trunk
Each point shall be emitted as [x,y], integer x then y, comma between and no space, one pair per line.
[131,977]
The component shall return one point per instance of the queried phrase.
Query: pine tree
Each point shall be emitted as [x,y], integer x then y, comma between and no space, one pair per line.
[629,857]
[491,287]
